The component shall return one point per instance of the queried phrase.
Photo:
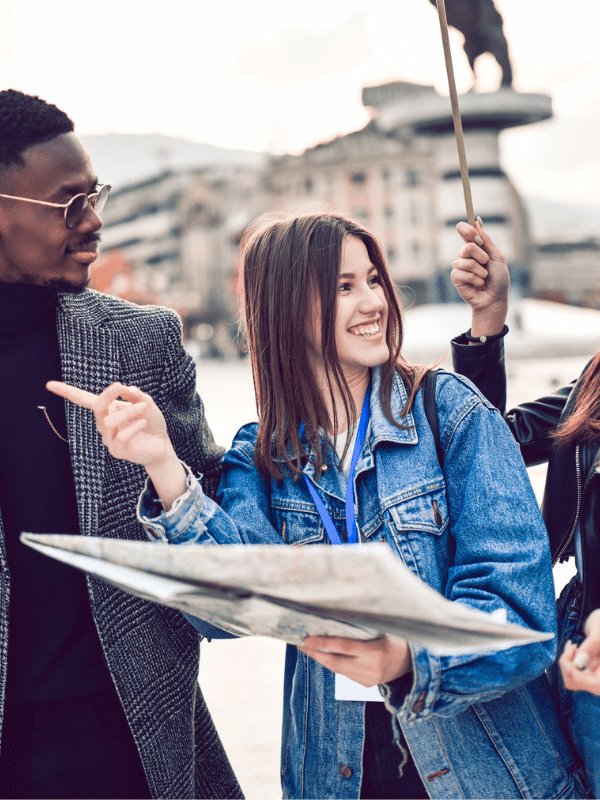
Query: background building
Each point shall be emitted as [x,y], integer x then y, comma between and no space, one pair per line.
[173,237]
[385,182]
[568,272]
[400,176]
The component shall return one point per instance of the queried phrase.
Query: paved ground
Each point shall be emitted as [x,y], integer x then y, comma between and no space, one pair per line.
[242,681]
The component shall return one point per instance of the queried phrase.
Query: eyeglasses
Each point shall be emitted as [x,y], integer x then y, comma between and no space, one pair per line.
[76,207]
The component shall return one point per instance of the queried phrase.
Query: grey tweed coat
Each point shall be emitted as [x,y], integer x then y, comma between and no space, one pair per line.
[151,651]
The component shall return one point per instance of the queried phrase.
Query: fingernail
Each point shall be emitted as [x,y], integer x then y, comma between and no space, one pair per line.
[479,221]
[478,240]
[581,660]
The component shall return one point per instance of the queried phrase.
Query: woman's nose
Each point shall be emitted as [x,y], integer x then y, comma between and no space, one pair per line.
[371,301]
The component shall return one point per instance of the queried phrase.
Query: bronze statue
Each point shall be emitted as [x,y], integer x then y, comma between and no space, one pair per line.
[481,25]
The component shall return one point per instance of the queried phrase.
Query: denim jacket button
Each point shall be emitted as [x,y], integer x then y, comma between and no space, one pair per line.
[437,774]
[345,772]
[420,704]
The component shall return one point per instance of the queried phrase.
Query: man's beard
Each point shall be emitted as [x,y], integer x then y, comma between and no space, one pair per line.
[58,284]
[61,285]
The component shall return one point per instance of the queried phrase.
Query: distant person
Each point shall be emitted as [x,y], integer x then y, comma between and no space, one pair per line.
[338,403]
[562,429]
[99,690]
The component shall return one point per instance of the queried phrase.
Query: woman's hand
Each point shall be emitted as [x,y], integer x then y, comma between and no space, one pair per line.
[580,666]
[133,429]
[481,277]
[368,663]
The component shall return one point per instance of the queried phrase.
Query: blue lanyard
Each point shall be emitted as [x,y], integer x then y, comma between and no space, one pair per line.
[350,512]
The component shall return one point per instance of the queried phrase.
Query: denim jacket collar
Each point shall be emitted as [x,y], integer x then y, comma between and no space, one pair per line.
[381,429]
[332,482]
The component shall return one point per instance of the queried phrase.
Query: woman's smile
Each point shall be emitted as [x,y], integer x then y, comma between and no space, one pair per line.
[366,329]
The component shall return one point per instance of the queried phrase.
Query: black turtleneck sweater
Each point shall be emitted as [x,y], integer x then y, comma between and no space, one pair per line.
[53,649]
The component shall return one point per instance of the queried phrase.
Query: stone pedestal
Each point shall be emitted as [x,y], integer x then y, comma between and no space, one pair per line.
[429,115]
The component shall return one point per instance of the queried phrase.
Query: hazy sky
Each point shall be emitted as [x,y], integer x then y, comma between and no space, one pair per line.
[280,75]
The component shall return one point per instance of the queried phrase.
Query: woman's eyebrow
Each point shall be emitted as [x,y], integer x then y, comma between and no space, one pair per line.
[346,275]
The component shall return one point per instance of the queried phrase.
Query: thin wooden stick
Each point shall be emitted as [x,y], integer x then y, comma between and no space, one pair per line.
[460,139]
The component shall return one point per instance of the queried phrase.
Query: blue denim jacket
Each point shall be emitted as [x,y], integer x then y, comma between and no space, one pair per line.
[472,531]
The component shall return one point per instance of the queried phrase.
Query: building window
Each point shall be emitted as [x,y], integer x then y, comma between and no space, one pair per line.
[412,178]
[390,253]
[126,244]
[308,185]
[358,178]
[475,172]
[162,257]
[360,214]
[388,212]
[491,219]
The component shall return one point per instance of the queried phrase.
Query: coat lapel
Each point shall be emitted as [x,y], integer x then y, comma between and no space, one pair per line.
[89,352]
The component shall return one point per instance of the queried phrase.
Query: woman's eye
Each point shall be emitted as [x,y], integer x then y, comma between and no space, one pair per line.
[344,287]
[374,279]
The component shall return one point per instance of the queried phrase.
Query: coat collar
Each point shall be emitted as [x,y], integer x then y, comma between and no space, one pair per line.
[380,430]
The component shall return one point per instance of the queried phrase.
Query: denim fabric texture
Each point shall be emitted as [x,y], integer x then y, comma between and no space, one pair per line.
[472,531]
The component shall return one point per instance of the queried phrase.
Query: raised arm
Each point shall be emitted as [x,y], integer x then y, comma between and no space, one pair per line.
[481,277]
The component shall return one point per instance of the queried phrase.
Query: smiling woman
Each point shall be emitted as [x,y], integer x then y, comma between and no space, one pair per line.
[343,453]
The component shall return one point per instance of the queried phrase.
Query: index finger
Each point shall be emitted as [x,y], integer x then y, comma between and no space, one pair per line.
[78,396]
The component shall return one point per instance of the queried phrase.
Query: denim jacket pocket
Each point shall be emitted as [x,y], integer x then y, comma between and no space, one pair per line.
[297,526]
[422,509]
[417,524]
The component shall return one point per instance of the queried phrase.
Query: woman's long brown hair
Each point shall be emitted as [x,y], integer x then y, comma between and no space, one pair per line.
[286,264]
[583,423]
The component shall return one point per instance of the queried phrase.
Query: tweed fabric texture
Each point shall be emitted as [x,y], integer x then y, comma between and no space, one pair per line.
[151,651]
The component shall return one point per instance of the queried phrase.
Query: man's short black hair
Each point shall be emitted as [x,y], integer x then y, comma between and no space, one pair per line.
[27,120]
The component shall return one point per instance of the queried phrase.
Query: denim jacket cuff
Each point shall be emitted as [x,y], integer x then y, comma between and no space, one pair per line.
[418,701]
[169,526]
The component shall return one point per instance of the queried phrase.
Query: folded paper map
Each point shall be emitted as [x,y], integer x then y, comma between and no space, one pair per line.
[289,592]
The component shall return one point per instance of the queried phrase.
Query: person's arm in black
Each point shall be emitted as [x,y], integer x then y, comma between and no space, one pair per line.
[481,277]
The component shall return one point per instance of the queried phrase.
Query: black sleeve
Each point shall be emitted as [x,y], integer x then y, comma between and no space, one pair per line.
[530,423]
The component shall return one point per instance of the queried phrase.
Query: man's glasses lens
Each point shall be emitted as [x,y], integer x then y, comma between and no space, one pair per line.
[100,200]
[76,209]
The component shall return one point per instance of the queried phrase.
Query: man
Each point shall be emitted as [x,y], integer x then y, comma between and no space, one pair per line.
[100,692]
